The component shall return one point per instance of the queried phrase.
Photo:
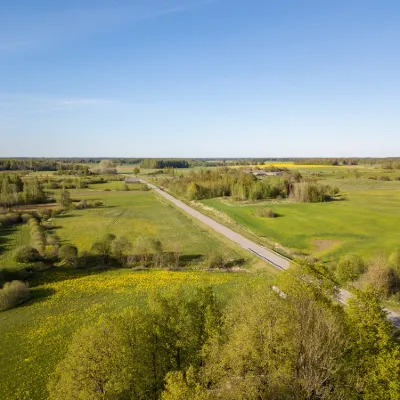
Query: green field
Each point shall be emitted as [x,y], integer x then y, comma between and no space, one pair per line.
[11,238]
[133,214]
[366,222]
[35,336]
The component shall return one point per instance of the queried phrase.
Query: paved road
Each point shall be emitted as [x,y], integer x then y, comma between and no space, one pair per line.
[275,259]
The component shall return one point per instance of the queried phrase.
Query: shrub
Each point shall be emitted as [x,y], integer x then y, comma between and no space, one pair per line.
[51,239]
[265,213]
[13,294]
[68,253]
[380,277]
[25,217]
[215,260]
[350,267]
[26,254]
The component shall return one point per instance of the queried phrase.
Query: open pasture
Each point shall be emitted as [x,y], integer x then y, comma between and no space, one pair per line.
[365,222]
[133,214]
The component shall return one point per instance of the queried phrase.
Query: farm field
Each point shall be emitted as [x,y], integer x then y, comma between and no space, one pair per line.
[35,336]
[132,214]
[365,222]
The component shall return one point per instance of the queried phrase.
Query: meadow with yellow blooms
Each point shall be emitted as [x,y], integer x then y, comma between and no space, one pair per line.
[36,335]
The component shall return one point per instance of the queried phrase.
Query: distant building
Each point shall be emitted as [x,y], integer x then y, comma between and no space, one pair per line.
[131,179]
[265,173]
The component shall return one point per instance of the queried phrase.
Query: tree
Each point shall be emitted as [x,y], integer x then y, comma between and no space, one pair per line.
[375,352]
[181,385]
[27,254]
[129,356]
[103,247]
[107,167]
[65,198]
[157,248]
[143,249]
[379,277]
[97,365]
[136,171]
[68,253]
[350,268]
[120,248]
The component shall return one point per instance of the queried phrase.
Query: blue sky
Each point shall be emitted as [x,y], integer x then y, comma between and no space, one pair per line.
[193,78]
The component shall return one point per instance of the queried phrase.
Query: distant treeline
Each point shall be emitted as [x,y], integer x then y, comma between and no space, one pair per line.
[70,164]
[55,164]
[387,163]
[159,164]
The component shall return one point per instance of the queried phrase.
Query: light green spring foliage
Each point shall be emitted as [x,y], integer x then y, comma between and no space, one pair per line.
[293,342]
[375,353]
[130,355]
[350,267]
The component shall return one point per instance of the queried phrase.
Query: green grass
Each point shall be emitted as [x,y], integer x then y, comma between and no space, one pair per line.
[35,336]
[367,222]
[114,185]
[10,239]
[133,214]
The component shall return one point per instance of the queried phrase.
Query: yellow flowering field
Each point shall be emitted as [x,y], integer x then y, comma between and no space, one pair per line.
[35,336]
[286,165]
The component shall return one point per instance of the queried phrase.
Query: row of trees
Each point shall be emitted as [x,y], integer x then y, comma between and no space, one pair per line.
[292,342]
[160,164]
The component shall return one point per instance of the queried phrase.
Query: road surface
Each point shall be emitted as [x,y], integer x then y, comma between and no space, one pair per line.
[275,259]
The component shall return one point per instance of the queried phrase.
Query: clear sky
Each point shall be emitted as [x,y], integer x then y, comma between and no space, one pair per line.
[198,78]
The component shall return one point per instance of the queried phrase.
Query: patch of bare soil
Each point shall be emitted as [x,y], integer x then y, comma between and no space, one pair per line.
[36,207]
[324,244]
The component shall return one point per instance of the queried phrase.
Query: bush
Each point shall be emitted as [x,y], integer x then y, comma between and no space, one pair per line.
[215,260]
[26,254]
[13,294]
[350,268]
[265,213]
[380,277]
[26,217]
[68,253]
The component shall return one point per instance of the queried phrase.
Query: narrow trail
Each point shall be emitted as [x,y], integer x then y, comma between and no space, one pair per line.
[271,257]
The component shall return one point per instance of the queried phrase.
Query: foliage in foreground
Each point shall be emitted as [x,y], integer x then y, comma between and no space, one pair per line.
[291,343]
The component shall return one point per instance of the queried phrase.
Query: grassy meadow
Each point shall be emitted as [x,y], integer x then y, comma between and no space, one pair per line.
[364,222]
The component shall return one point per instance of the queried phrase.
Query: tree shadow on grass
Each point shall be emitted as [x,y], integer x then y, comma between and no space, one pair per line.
[63,216]
[38,296]
[4,237]
[64,273]
[187,259]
